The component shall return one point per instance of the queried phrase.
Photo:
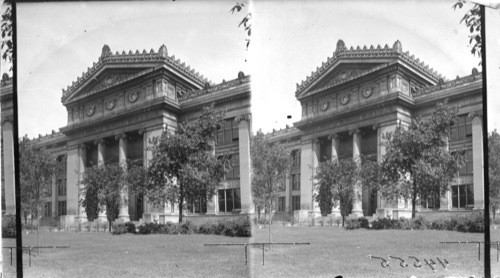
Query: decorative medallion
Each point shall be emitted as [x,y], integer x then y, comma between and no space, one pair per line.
[110,104]
[91,110]
[367,92]
[132,97]
[324,105]
[344,99]
[343,75]
[109,80]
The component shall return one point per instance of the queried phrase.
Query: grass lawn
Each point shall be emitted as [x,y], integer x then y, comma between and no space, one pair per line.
[105,255]
[335,251]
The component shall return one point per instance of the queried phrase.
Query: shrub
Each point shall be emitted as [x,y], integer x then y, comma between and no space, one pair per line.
[9,230]
[352,224]
[363,223]
[206,228]
[130,227]
[187,228]
[242,227]
[420,223]
[381,223]
[440,224]
[118,229]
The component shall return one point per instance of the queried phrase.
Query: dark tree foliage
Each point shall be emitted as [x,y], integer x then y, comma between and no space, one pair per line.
[336,181]
[7,44]
[184,165]
[494,170]
[270,163]
[246,21]
[417,162]
[36,166]
[472,19]
[102,190]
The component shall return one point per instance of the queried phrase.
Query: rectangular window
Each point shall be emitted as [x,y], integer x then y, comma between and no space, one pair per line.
[197,206]
[296,202]
[462,196]
[467,168]
[61,187]
[47,211]
[234,172]
[229,200]
[295,181]
[228,133]
[61,208]
[296,158]
[281,203]
[432,202]
[461,129]
[282,184]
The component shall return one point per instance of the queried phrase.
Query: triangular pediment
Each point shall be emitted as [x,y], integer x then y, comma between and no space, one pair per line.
[350,63]
[341,73]
[104,79]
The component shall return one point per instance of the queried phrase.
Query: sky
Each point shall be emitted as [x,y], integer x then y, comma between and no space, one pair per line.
[58,41]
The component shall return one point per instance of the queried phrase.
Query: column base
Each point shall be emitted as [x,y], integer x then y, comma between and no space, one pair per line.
[123,218]
[81,219]
[355,214]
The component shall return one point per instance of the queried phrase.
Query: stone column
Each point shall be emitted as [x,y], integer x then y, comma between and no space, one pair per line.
[53,198]
[445,201]
[245,166]
[308,164]
[477,159]
[335,157]
[73,178]
[357,208]
[100,161]
[212,203]
[8,167]
[288,194]
[122,158]
[82,214]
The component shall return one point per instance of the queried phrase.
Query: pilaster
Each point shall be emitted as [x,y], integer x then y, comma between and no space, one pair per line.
[335,149]
[245,166]
[122,158]
[357,205]
[100,161]
[72,182]
[82,215]
[8,167]
[477,159]
[308,163]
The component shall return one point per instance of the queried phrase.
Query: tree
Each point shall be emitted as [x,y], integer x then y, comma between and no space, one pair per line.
[472,19]
[7,44]
[336,181]
[270,164]
[417,163]
[494,170]
[246,21]
[104,184]
[184,166]
[36,167]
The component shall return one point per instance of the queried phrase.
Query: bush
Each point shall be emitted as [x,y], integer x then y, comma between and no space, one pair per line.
[352,224]
[187,228]
[420,223]
[118,229]
[130,227]
[381,223]
[440,224]
[243,227]
[9,230]
[207,228]
[363,223]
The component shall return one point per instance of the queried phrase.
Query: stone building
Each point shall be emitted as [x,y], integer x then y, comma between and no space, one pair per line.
[357,96]
[116,106]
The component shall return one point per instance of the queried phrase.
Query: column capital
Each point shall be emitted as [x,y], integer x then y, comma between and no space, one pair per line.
[141,131]
[315,140]
[376,126]
[83,146]
[99,141]
[333,136]
[474,114]
[246,117]
[354,131]
[120,136]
